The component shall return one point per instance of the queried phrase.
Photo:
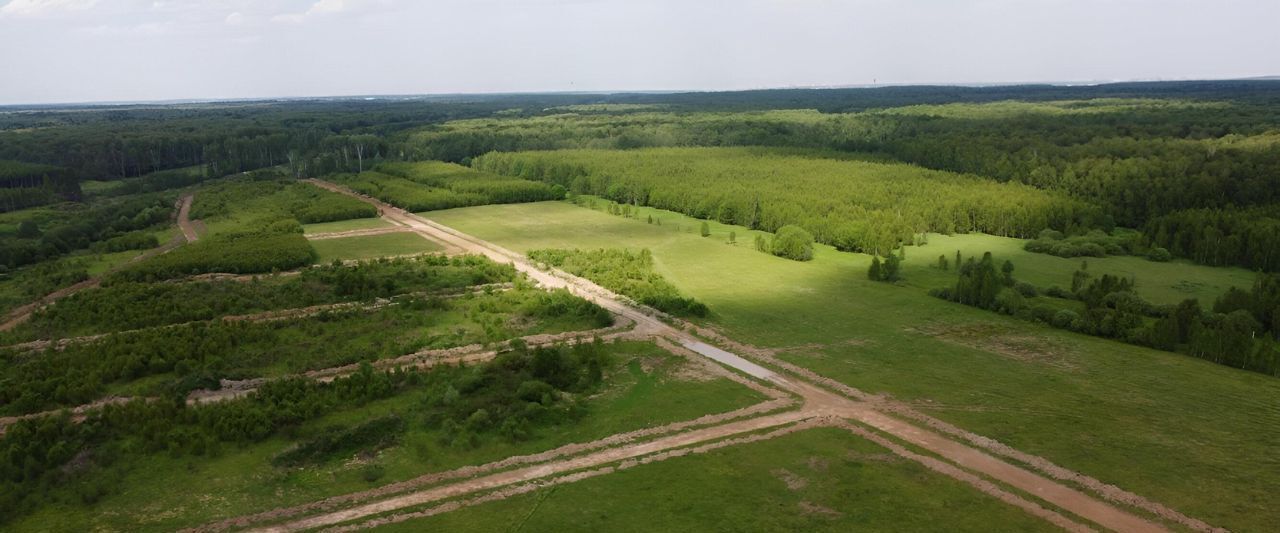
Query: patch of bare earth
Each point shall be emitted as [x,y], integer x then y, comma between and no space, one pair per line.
[1003,341]
[793,481]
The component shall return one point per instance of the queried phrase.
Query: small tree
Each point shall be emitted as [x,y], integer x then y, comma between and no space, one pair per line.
[762,244]
[959,259]
[1007,270]
[892,266]
[874,273]
[706,229]
[733,237]
[650,221]
[942,262]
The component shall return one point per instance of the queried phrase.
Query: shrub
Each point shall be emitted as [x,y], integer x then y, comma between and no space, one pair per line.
[1026,289]
[793,242]
[1065,319]
[1159,255]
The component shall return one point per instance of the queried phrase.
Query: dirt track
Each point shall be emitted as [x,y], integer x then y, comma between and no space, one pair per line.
[355,233]
[961,460]
[184,219]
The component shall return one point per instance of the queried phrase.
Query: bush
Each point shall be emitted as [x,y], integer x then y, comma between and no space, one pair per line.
[332,442]
[1026,289]
[1009,302]
[1159,255]
[1065,319]
[792,242]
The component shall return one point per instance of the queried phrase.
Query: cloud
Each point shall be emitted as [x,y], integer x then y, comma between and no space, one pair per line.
[234,19]
[44,7]
[324,7]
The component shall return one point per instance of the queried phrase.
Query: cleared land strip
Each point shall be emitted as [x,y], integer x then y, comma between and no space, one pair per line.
[471,353]
[815,391]
[356,233]
[269,316]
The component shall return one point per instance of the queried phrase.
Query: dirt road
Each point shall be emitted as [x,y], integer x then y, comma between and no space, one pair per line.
[818,401]
[184,219]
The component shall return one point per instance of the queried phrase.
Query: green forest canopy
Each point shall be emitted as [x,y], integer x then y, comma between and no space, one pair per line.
[850,204]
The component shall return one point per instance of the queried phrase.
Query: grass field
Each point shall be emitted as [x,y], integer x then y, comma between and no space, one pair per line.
[1182,431]
[645,388]
[345,225]
[387,244]
[814,480]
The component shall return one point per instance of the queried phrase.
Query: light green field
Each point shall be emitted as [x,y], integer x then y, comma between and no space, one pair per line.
[645,388]
[1160,283]
[345,225]
[839,482]
[385,245]
[1185,432]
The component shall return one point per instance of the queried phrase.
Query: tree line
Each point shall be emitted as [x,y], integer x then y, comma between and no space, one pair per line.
[1241,330]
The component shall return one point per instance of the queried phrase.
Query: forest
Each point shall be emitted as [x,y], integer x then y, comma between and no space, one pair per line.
[848,203]
[1142,161]
[437,185]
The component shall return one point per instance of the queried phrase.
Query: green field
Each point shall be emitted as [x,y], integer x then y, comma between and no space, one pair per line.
[645,387]
[345,225]
[814,480]
[366,247]
[1167,426]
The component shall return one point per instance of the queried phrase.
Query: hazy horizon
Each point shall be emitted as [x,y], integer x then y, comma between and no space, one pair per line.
[100,51]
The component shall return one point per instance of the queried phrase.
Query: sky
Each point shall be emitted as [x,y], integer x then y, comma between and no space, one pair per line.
[128,50]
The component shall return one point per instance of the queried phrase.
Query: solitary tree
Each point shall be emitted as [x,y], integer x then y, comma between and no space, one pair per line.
[706,229]
[874,273]
[942,262]
[650,221]
[733,237]
[892,266]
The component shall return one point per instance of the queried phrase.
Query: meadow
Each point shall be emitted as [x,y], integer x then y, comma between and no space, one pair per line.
[1089,404]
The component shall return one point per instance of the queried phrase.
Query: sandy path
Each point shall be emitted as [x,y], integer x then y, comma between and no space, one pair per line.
[184,219]
[819,401]
[356,233]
